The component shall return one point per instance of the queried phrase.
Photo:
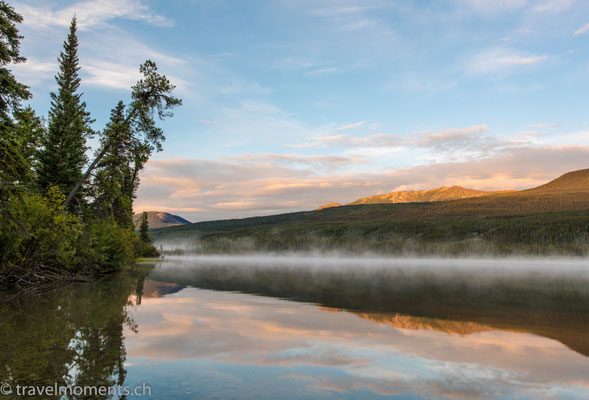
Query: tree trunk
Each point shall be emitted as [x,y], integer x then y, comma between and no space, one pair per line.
[79,184]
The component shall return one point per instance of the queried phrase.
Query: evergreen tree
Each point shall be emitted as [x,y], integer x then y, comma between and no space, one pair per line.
[113,176]
[63,155]
[151,95]
[12,164]
[28,129]
[144,229]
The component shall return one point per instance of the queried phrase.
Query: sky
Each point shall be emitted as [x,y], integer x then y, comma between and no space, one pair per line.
[291,104]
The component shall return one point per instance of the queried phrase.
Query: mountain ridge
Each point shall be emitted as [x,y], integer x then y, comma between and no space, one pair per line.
[160,219]
[443,193]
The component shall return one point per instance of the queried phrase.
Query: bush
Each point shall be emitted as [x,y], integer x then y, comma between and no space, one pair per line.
[40,240]
[36,232]
[143,249]
[106,246]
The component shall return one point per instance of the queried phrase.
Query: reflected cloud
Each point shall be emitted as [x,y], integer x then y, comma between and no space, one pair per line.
[384,353]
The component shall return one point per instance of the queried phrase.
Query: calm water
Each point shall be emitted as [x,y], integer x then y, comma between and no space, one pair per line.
[274,328]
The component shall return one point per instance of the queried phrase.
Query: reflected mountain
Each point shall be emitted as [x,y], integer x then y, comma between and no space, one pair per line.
[455,302]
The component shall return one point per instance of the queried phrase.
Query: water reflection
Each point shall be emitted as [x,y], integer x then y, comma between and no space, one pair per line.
[204,328]
[365,334]
[69,336]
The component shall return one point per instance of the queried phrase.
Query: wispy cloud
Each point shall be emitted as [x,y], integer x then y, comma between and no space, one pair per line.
[544,125]
[241,87]
[89,13]
[323,71]
[440,138]
[270,183]
[553,5]
[495,6]
[582,30]
[35,70]
[350,126]
[451,136]
[501,59]
[102,64]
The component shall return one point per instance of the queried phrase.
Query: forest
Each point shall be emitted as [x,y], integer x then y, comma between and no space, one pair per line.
[66,215]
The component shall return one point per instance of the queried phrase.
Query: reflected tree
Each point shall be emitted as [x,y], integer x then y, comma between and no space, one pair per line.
[72,336]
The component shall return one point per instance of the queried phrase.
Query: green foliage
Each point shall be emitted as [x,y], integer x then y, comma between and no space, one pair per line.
[63,155]
[37,233]
[46,235]
[106,246]
[144,228]
[11,91]
[145,247]
[28,129]
[13,164]
[113,184]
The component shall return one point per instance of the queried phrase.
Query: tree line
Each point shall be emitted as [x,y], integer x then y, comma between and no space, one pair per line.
[63,214]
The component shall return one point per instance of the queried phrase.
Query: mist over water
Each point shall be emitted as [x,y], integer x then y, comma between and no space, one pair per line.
[484,268]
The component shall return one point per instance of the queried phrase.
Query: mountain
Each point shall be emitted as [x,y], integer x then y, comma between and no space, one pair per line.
[420,196]
[328,205]
[159,219]
[549,219]
[575,181]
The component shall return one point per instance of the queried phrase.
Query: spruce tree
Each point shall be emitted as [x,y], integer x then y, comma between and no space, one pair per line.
[144,229]
[29,129]
[63,155]
[151,96]
[113,175]
[12,163]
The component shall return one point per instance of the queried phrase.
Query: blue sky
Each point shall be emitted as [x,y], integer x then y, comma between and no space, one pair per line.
[292,104]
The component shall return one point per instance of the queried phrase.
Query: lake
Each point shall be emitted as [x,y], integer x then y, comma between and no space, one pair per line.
[220,327]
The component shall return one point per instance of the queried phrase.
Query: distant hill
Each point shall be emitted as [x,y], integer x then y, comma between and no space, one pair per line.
[160,219]
[577,181]
[328,205]
[419,196]
[549,219]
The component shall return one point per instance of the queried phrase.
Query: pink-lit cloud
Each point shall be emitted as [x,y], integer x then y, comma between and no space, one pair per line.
[269,184]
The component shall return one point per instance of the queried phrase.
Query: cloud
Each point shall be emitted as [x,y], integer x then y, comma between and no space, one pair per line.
[240,87]
[582,30]
[102,64]
[463,142]
[553,5]
[90,13]
[378,139]
[451,136]
[323,71]
[544,125]
[35,70]
[350,126]
[357,353]
[495,6]
[501,59]
[272,183]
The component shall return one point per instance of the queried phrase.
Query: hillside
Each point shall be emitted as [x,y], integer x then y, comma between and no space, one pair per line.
[575,181]
[415,196]
[552,218]
[328,205]
[159,219]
